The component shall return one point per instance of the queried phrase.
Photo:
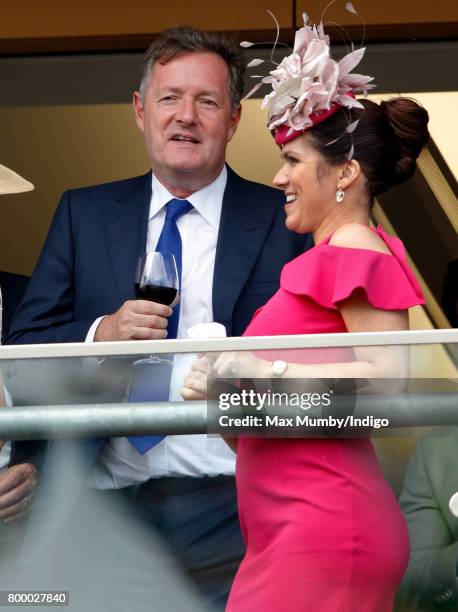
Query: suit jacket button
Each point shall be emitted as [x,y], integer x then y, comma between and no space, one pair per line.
[440,598]
[453,504]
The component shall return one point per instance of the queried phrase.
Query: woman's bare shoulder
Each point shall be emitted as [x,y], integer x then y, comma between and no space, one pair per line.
[358,236]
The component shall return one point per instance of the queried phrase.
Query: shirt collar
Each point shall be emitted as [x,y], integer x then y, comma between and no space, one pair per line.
[208,201]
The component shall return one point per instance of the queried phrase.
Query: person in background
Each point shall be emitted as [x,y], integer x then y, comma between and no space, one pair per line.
[233,242]
[429,500]
[449,295]
[17,483]
[323,529]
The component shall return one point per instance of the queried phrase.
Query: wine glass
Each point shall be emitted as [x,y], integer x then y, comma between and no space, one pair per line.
[156,280]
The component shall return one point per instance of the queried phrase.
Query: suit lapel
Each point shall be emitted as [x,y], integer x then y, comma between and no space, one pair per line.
[244,225]
[126,226]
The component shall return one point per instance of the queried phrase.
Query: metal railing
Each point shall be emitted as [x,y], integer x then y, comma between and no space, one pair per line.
[110,420]
[117,419]
[254,343]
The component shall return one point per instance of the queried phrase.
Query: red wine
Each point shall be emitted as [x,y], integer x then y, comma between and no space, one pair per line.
[156,293]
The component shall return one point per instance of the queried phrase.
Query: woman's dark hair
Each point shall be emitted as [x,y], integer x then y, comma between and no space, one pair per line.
[387,140]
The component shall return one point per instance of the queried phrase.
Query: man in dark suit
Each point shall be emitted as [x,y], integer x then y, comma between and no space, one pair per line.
[234,245]
[17,483]
[13,288]
[429,500]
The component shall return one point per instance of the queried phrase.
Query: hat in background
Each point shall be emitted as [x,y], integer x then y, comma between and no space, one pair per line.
[10,182]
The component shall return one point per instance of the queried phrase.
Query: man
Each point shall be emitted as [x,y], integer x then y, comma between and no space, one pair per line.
[17,483]
[188,108]
[429,500]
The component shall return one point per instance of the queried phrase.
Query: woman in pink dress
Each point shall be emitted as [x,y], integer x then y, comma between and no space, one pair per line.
[323,530]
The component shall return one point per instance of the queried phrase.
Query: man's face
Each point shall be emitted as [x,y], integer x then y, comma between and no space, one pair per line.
[186,119]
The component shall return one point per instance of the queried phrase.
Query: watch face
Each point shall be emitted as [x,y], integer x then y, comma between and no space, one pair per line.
[279,367]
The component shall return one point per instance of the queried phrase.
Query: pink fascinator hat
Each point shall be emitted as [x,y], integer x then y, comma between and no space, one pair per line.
[309,86]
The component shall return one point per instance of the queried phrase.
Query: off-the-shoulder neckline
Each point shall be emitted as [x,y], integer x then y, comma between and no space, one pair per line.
[377,230]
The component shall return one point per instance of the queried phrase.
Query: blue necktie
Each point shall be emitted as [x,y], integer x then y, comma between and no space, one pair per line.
[151,382]
[170,242]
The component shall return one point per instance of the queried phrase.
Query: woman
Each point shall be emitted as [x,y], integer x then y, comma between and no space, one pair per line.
[322,528]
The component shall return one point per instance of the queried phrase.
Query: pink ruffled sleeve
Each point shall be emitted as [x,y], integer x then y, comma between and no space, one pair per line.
[330,274]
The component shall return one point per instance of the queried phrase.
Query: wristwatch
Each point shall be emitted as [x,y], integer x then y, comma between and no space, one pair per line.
[279,367]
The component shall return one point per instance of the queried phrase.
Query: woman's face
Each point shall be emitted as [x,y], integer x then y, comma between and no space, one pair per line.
[309,184]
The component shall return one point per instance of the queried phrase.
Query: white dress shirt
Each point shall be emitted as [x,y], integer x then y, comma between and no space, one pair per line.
[120,464]
[5,454]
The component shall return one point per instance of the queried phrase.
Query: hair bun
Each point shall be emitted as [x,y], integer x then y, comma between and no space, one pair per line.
[409,122]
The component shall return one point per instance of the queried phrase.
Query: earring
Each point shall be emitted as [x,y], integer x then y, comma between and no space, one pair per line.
[340,194]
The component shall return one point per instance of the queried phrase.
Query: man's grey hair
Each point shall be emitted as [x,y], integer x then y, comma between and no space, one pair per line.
[186,39]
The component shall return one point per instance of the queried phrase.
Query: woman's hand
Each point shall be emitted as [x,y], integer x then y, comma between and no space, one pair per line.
[195,382]
[241,364]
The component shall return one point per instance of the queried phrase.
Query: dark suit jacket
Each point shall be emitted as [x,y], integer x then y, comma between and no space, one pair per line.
[13,287]
[87,267]
[430,582]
